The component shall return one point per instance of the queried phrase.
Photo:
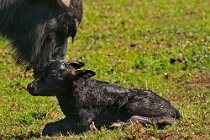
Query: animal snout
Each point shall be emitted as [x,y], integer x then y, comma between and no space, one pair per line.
[31,88]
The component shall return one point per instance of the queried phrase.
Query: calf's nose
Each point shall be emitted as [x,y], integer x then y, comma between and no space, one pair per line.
[31,88]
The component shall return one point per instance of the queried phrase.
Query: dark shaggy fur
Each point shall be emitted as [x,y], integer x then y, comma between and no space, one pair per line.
[84,100]
[38,29]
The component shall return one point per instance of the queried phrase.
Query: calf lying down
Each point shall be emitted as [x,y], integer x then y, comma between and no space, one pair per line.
[85,101]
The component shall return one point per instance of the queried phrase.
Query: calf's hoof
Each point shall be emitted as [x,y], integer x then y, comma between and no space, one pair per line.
[117,124]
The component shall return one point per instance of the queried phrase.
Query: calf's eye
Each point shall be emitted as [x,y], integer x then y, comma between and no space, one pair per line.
[53,74]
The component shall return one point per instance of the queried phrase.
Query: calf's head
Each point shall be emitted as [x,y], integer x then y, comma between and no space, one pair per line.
[57,77]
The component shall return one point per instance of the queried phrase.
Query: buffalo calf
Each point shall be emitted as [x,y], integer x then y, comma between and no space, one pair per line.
[85,101]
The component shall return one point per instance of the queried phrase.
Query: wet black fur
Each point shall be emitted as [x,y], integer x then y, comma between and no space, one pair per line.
[84,100]
[38,29]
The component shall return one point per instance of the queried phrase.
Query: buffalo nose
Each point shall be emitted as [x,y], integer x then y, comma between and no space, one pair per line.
[31,88]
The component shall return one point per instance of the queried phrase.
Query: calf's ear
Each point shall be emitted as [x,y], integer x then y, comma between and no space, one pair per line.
[64,3]
[76,64]
[84,73]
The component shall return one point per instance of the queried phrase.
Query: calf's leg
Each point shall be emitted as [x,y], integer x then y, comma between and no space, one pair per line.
[64,127]
[160,121]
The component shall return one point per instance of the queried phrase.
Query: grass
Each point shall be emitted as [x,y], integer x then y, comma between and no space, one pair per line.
[159,45]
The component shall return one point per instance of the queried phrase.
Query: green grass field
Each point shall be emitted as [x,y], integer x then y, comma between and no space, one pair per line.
[161,45]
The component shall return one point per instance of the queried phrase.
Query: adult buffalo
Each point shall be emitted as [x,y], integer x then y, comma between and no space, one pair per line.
[39,29]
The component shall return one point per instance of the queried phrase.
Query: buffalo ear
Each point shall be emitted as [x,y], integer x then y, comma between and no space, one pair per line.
[64,3]
[76,64]
[85,73]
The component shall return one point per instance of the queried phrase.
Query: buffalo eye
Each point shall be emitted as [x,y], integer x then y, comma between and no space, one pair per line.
[53,73]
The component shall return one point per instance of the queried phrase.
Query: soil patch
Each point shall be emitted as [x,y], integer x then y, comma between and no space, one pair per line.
[199,81]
